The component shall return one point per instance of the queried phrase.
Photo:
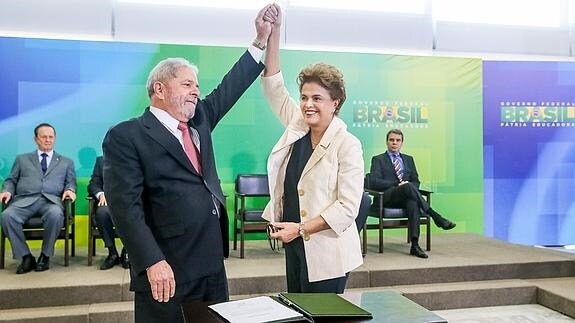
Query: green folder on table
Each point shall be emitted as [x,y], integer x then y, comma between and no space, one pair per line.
[323,305]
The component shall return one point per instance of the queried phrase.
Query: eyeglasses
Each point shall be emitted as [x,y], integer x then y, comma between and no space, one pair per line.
[274,243]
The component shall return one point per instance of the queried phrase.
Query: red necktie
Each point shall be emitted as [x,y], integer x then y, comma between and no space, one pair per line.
[189,147]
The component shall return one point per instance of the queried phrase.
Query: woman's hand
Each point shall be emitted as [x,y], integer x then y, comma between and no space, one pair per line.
[286,231]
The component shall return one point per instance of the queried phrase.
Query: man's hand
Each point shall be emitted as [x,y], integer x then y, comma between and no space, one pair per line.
[162,281]
[5,197]
[69,194]
[102,200]
[263,22]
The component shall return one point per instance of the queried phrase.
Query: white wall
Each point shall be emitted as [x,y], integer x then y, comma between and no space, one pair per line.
[304,28]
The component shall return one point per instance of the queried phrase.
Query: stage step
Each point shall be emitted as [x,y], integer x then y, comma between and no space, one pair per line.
[464,270]
[554,293]
[119,312]
[431,296]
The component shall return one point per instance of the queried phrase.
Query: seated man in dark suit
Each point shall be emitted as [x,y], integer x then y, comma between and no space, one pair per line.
[104,218]
[396,175]
[38,183]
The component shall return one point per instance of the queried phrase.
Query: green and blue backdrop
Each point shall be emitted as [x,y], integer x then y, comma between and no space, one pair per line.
[83,88]
[529,151]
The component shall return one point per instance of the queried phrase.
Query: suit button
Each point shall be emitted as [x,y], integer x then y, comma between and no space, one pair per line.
[214,211]
[303,213]
[300,192]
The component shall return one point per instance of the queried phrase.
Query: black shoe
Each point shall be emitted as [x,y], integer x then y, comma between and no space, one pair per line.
[43,263]
[28,264]
[417,251]
[110,261]
[446,224]
[124,259]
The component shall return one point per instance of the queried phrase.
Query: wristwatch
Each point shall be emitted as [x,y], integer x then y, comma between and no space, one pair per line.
[258,44]
[304,235]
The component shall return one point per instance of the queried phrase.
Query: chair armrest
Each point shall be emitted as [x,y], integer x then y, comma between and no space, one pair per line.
[69,208]
[425,192]
[373,192]
[91,204]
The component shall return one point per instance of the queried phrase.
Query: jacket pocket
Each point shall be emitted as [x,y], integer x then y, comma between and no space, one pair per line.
[166,231]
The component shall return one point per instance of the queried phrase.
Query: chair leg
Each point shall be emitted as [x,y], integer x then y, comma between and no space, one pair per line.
[428,230]
[90,244]
[364,243]
[242,233]
[380,234]
[66,248]
[73,234]
[94,246]
[235,233]
[2,248]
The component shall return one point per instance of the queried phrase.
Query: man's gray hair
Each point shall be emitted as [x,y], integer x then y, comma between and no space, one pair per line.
[166,70]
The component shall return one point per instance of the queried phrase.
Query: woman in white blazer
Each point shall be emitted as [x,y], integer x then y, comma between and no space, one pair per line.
[315,175]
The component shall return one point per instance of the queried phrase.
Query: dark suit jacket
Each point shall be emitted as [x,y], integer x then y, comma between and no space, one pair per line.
[27,184]
[96,184]
[161,207]
[382,175]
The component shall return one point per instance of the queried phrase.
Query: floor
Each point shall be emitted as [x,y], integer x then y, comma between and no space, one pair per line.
[504,314]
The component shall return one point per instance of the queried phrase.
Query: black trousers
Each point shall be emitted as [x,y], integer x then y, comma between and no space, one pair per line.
[209,288]
[407,197]
[297,277]
[105,225]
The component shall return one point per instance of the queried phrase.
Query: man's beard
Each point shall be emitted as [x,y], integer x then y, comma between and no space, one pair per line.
[183,110]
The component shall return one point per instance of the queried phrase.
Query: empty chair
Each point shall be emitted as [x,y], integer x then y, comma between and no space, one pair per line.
[252,193]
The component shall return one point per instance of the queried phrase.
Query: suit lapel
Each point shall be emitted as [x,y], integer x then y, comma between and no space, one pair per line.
[315,157]
[328,138]
[155,129]
[293,133]
[53,163]
[33,158]
[388,163]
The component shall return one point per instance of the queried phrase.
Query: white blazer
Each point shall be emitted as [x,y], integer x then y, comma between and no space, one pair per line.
[331,185]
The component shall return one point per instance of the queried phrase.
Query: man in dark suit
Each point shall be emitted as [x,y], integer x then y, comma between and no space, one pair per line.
[395,174]
[163,189]
[38,183]
[103,218]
